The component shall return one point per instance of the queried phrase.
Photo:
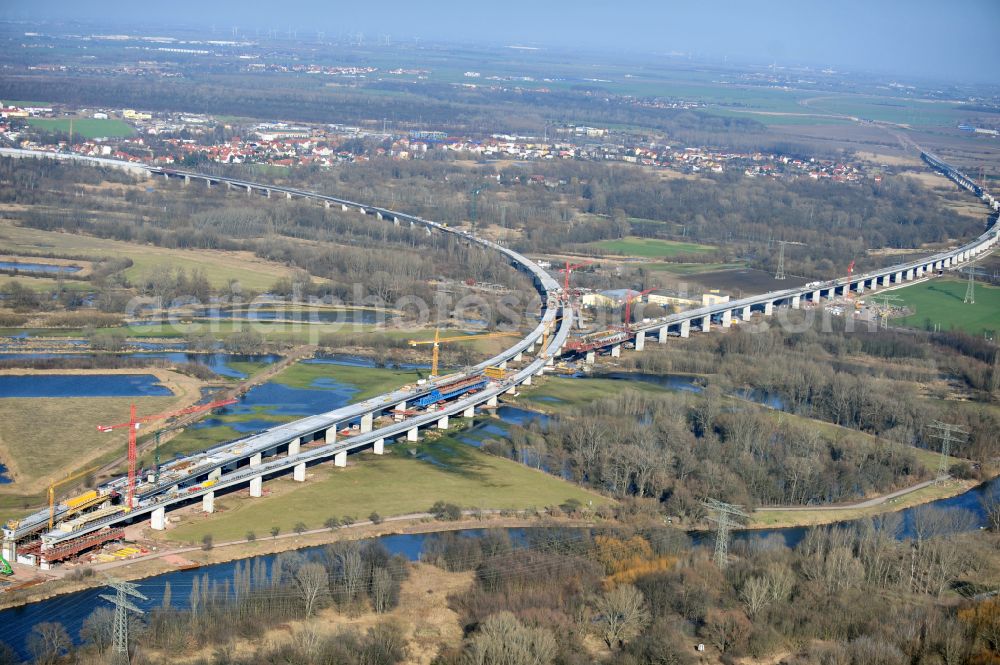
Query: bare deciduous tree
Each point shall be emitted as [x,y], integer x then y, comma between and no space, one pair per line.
[622,614]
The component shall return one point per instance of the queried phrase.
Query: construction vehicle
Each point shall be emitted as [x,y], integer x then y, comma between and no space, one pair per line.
[496,373]
[438,341]
[5,568]
[133,426]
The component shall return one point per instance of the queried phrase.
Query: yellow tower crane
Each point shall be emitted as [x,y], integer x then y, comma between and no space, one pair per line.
[85,499]
[438,341]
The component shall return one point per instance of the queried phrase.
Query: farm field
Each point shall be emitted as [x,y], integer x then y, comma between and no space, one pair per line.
[940,302]
[88,128]
[219,266]
[650,248]
[437,470]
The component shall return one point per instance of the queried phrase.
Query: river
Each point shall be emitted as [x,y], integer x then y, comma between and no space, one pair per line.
[71,609]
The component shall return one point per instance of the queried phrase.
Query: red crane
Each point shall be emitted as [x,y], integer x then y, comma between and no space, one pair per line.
[850,271]
[133,426]
[628,305]
[568,269]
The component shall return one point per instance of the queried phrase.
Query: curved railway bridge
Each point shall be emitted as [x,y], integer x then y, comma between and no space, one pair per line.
[292,447]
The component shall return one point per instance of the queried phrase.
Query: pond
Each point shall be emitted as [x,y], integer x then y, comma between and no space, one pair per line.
[687,383]
[47,268]
[72,609]
[82,385]
[217,362]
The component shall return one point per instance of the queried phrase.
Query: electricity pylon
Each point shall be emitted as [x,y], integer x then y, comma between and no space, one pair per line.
[780,274]
[970,290]
[884,309]
[123,606]
[948,434]
[726,516]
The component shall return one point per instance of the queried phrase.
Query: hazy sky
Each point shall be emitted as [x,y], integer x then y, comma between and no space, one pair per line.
[882,35]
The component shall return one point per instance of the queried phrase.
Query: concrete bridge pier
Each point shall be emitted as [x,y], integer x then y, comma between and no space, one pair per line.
[379,447]
[816,296]
[640,340]
[550,362]
[861,287]
[503,364]
[527,381]
[294,447]
[400,407]
[257,486]
[344,207]
[330,436]
[340,459]
[909,274]
[511,391]
[899,278]
[288,195]
[267,192]
[470,412]
[215,474]
[796,302]
[412,434]
[886,278]
[616,351]
[685,328]
[442,422]
[208,502]
[706,323]
[158,519]
[518,357]
[255,459]
[367,422]
[299,472]
[326,204]
[745,313]
[661,335]
[727,318]
[249,190]
[187,180]
[769,308]
[492,401]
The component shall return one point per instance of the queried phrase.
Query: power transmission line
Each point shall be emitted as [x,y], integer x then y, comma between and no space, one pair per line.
[727,516]
[123,606]
[780,274]
[970,290]
[948,434]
